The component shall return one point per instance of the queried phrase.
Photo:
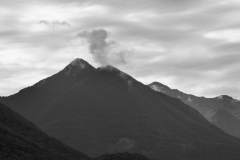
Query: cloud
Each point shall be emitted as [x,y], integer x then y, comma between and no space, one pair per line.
[227,48]
[53,24]
[186,44]
[229,35]
[104,51]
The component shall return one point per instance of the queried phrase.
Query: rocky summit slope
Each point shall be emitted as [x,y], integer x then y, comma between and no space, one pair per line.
[104,110]
[223,111]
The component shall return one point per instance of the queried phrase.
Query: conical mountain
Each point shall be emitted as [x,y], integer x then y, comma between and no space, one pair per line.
[104,110]
[223,111]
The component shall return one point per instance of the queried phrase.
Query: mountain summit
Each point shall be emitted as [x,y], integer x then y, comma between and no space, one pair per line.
[79,63]
[104,110]
[225,98]
[76,66]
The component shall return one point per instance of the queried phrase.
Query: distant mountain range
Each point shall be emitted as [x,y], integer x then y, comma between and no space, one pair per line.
[104,110]
[223,111]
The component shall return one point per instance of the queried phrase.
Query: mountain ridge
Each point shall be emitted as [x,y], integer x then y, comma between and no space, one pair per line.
[223,111]
[105,110]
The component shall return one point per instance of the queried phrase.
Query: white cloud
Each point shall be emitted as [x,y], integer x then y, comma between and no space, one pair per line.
[229,35]
[190,45]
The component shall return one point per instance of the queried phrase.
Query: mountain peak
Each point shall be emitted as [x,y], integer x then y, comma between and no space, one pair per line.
[108,68]
[159,84]
[77,65]
[225,97]
[159,87]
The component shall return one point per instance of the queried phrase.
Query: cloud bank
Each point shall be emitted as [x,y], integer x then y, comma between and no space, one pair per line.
[186,44]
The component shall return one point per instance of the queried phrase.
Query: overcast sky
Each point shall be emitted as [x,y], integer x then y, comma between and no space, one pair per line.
[191,45]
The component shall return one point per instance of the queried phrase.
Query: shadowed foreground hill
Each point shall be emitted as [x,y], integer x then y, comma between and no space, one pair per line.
[222,111]
[104,110]
[22,140]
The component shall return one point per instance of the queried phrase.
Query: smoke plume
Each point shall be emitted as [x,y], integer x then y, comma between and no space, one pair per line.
[105,51]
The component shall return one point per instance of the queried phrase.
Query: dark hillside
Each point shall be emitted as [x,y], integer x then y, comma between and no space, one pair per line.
[20,139]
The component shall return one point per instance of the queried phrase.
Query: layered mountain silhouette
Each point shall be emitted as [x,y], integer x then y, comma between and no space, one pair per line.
[104,110]
[22,140]
[223,111]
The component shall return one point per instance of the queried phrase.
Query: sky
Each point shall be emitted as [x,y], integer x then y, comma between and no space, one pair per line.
[190,45]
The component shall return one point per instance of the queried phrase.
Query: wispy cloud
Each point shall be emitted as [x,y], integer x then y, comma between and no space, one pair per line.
[103,50]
